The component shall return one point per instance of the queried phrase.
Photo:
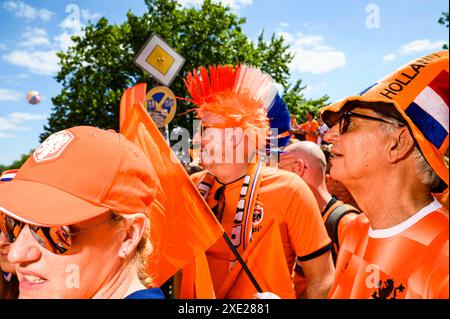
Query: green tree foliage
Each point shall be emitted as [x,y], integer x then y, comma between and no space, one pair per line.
[444,20]
[16,164]
[97,69]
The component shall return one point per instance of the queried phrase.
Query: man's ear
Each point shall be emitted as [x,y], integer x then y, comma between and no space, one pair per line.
[134,231]
[399,145]
[300,167]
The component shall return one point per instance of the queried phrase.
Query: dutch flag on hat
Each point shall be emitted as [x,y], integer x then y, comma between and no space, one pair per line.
[429,110]
[7,177]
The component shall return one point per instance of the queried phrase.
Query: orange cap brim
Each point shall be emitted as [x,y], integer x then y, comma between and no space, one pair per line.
[44,205]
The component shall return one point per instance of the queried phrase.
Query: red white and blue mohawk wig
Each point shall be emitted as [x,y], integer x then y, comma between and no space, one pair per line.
[244,97]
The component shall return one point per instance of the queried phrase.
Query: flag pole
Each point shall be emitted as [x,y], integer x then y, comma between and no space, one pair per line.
[242,262]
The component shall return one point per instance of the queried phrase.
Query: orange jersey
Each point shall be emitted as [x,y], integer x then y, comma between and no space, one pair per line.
[283,196]
[409,260]
[310,127]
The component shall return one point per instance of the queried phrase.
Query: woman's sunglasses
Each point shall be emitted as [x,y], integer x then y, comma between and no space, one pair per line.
[56,239]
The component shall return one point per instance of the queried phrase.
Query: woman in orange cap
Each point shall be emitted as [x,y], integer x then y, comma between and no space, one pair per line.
[9,286]
[76,217]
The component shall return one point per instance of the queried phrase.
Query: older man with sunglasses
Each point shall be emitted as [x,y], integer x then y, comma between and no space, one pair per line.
[76,216]
[389,145]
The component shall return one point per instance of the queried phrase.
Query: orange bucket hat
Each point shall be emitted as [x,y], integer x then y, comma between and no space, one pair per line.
[419,91]
[77,174]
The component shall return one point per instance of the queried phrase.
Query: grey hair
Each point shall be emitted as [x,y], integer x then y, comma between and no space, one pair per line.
[424,171]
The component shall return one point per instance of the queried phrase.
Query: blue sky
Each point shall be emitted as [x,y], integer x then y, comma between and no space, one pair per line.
[341,47]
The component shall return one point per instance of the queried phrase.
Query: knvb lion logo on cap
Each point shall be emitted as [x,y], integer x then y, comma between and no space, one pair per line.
[53,146]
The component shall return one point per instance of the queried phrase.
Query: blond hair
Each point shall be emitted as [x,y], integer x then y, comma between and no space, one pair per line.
[143,250]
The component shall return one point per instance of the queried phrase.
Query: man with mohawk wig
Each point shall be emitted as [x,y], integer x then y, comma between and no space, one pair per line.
[270,215]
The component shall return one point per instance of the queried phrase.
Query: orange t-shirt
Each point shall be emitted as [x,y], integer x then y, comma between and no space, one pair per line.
[409,260]
[310,127]
[287,198]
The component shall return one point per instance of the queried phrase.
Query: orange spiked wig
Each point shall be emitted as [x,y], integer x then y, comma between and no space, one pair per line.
[239,95]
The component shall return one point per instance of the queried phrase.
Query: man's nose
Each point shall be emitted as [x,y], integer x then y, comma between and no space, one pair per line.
[332,135]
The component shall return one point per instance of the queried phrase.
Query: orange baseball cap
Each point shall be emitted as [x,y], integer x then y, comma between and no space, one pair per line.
[77,174]
[419,91]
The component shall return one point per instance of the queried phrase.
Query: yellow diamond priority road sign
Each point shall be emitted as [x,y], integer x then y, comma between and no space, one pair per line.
[160,60]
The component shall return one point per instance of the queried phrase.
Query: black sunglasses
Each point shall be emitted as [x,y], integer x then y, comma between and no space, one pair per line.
[344,120]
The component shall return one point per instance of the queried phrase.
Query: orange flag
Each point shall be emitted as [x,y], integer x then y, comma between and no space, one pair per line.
[182,224]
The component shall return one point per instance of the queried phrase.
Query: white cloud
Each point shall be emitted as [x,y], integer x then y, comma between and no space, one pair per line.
[7,125]
[389,57]
[21,9]
[233,4]
[72,26]
[4,135]
[71,23]
[45,61]
[284,24]
[19,117]
[288,38]
[3,46]
[34,37]
[415,46]
[315,88]
[10,95]
[309,41]
[420,46]
[318,61]
[88,16]
[14,121]
[64,40]
[311,55]
[190,3]
[40,62]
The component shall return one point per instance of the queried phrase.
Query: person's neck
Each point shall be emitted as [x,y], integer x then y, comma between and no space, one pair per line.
[391,203]
[227,173]
[124,282]
[322,196]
